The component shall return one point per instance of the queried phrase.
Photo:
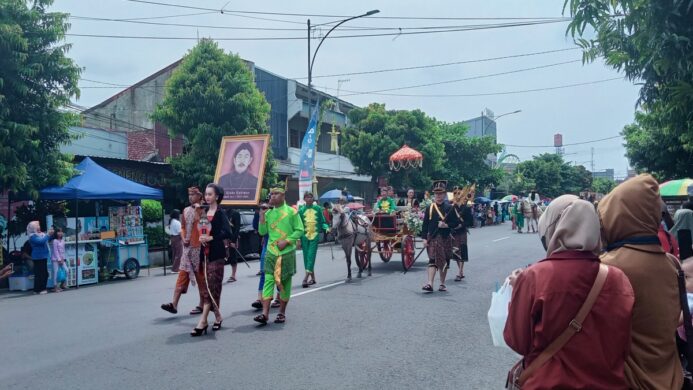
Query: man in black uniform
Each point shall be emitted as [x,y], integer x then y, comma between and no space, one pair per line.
[460,251]
[439,219]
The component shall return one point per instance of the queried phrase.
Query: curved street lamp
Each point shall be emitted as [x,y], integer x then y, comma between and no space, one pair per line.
[483,132]
[311,61]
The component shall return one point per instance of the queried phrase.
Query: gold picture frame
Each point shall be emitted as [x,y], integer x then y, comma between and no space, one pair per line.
[241,168]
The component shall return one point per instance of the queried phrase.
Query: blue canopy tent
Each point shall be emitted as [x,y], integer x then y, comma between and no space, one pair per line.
[94,182]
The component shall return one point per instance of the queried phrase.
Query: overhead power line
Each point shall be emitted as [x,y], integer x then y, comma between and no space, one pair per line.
[167,16]
[478,94]
[471,28]
[571,144]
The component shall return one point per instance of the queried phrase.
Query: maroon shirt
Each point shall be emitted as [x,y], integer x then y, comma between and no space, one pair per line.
[546,297]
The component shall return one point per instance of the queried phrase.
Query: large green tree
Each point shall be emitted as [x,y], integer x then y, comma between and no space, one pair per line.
[36,80]
[465,157]
[375,133]
[651,41]
[552,176]
[603,185]
[211,95]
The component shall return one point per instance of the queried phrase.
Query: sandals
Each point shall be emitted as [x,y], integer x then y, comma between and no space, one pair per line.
[261,319]
[275,303]
[427,287]
[196,310]
[458,278]
[231,279]
[312,282]
[169,308]
[442,288]
[217,325]
[257,304]
[281,318]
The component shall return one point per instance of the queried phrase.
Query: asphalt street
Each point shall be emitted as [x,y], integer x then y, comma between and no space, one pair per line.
[379,332]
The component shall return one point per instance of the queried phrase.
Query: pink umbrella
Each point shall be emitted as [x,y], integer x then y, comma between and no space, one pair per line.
[355,205]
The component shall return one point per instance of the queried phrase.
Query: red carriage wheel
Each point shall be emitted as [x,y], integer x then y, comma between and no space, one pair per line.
[408,255]
[385,248]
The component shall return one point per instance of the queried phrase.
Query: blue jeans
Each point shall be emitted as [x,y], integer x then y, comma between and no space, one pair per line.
[262,265]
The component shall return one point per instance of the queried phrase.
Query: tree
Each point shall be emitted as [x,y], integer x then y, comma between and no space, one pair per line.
[603,185]
[465,157]
[552,176]
[36,80]
[651,42]
[211,95]
[375,133]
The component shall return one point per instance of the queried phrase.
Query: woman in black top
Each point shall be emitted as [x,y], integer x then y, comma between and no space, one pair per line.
[214,229]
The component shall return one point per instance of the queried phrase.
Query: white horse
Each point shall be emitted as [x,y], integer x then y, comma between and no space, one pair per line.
[532,212]
[353,232]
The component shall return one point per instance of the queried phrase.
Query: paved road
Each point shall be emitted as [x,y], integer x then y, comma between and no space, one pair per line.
[379,332]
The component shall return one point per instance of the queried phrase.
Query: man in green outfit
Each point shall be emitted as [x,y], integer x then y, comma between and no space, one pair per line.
[519,216]
[385,204]
[283,228]
[313,224]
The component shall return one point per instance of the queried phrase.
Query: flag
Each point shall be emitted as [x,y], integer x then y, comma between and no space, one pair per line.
[305,170]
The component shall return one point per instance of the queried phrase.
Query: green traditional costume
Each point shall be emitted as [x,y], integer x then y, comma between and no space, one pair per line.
[386,205]
[519,216]
[281,223]
[313,223]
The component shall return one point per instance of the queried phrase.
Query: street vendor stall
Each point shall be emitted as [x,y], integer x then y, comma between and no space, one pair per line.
[120,235]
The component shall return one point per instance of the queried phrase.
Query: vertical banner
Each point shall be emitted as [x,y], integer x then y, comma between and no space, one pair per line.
[305,170]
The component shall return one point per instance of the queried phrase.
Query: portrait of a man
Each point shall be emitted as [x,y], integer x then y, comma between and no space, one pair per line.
[241,167]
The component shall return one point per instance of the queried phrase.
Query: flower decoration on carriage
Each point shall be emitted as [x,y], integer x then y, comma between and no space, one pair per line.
[414,222]
[405,158]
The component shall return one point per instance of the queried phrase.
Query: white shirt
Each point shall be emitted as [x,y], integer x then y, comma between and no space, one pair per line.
[174,227]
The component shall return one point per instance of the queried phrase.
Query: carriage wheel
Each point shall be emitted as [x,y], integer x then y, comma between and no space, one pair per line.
[408,255]
[364,254]
[385,248]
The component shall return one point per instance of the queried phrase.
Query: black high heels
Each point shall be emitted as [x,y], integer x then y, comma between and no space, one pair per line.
[197,332]
[217,325]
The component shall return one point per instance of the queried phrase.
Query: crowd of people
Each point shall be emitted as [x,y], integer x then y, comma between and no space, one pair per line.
[602,310]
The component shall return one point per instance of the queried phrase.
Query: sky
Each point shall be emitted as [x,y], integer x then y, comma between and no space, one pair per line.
[581,113]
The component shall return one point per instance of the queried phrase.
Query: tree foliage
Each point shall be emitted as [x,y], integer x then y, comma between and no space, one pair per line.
[552,176]
[603,185]
[36,80]
[651,41]
[211,95]
[465,157]
[375,133]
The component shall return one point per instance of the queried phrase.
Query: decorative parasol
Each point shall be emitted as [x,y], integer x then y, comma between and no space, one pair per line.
[405,158]
[675,187]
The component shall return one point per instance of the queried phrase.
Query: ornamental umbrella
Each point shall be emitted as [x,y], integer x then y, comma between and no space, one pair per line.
[404,158]
[675,187]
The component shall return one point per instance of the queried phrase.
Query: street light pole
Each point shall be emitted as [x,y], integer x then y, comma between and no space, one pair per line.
[311,62]
[483,132]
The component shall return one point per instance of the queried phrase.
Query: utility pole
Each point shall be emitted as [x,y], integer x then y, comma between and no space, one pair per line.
[592,160]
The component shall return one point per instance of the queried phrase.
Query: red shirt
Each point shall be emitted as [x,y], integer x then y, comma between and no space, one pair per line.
[669,243]
[546,297]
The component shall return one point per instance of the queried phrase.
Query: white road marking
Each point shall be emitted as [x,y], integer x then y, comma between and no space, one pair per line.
[316,289]
[501,239]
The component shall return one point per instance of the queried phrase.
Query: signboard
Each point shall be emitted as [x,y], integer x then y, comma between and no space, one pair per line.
[241,168]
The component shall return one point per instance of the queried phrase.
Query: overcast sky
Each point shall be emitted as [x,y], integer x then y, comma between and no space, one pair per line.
[581,113]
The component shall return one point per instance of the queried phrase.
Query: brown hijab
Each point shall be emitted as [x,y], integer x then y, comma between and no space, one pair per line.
[570,223]
[633,210]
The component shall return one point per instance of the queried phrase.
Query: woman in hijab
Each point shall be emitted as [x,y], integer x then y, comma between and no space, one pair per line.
[630,217]
[683,226]
[548,295]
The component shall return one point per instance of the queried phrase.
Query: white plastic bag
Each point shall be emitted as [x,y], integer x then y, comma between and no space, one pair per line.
[498,313]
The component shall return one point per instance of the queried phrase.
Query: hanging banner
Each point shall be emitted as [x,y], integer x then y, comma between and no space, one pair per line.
[305,171]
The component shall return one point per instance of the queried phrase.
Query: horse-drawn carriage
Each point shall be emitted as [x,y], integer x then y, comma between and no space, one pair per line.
[392,234]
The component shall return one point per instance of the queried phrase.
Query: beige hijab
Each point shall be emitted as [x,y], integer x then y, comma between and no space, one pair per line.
[570,223]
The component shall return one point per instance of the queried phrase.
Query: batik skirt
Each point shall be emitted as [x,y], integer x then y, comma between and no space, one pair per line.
[440,251]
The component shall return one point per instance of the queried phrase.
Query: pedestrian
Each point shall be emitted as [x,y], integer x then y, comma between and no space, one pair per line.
[190,271]
[174,228]
[438,221]
[410,201]
[327,215]
[58,260]
[313,223]
[519,216]
[682,229]
[263,252]
[550,294]
[283,226]
[385,204]
[39,255]
[233,219]
[630,216]
[214,229]
[460,250]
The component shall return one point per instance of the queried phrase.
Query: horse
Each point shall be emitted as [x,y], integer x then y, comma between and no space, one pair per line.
[353,232]
[532,212]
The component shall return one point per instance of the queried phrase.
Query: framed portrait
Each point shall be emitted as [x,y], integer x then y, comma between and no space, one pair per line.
[241,168]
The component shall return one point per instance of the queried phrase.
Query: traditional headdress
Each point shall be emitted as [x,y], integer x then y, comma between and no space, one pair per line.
[440,186]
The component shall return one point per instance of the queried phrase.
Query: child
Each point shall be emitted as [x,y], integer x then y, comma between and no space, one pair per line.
[58,260]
